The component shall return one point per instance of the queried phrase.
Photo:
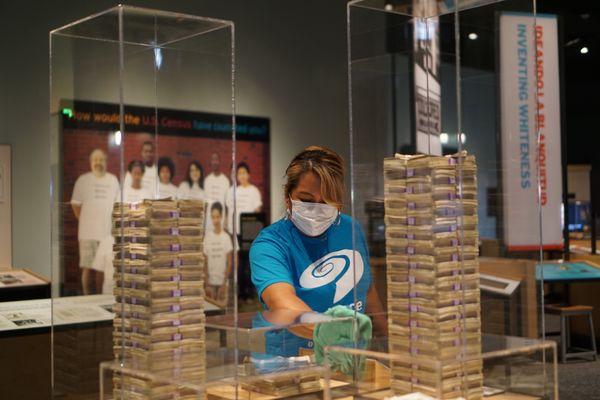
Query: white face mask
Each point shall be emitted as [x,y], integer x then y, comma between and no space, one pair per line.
[312,219]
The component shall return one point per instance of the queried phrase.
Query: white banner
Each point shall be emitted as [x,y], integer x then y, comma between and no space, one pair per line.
[521,116]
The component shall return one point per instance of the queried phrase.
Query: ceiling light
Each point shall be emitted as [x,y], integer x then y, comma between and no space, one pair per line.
[444,138]
[388,7]
[117,138]
[584,50]
[473,36]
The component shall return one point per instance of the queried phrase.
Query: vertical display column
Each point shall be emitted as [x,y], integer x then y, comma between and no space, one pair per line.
[433,274]
[159,288]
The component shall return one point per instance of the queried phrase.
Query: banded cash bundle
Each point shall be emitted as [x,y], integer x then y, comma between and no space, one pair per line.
[433,274]
[284,385]
[159,325]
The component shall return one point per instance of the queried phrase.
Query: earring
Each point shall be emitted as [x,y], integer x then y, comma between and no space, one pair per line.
[338,219]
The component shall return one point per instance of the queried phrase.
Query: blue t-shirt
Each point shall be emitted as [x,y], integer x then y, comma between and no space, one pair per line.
[321,269]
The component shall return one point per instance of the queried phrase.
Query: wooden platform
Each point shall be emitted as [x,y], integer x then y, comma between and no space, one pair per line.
[228,392]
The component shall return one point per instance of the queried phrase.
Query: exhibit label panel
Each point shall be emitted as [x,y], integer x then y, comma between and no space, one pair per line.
[530,101]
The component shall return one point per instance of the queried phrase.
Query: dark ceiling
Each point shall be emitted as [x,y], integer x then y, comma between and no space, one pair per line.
[581,27]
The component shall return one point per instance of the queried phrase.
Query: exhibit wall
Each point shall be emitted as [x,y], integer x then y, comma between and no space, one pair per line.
[278,77]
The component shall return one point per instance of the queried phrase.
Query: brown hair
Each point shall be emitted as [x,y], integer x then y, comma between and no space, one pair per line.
[326,164]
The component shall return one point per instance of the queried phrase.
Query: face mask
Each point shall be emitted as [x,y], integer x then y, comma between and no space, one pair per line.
[312,219]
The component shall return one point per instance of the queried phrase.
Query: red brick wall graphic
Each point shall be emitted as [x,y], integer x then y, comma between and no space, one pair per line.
[79,143]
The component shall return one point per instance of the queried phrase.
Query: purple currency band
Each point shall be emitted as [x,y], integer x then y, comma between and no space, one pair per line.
[411,220]
[410,172]
[132,224]
[174,231]
[454,257]
[414,379]
[454,242]
[135,314]
[451,161]
[176,293]
[133,300]
[177,336]
[412,206]
[133,285]
[414,366]
[414,351]
[451,196]
[132,256]
[413,324]
[456,302]
[176,263]
[457,329]
[174,214]
[175,247]
[410,250]
[176,322]
[413,308]
[135,344]
[177,352]
[413,265]
[175,307]
[134,329]
[410,236]
[455,272]
[456,342]
[176,278]
[414,337]
[457,286]
[411,279]
[451,180]
[412,295]
[133,206]
[134,240]
[409,190]
[134,270]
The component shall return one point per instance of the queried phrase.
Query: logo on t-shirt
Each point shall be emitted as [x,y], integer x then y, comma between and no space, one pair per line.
[334,267]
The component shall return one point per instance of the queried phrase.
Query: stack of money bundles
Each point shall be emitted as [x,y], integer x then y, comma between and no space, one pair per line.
[159,325]
[433,274]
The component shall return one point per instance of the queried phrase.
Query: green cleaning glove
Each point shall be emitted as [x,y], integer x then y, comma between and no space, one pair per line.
[342,333]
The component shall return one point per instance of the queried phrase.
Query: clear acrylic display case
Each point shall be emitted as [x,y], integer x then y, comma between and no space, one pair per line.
[142,108]
[456,176]
[512,369]
[425,77]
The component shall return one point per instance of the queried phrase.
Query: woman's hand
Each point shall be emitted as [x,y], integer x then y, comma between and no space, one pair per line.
[283,303]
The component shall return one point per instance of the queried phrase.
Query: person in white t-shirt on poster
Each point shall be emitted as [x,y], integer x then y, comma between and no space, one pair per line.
[218,249]
[136,192]
[92,202]
[103,262]
[166,171]
[247,197]
[191,187]
[149,181]
[216,184]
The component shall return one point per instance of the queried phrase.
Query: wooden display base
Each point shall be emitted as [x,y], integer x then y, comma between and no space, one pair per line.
[228,392]
[382,394]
